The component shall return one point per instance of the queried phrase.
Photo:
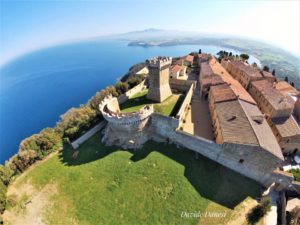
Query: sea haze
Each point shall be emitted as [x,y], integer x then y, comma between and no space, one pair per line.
[38,87]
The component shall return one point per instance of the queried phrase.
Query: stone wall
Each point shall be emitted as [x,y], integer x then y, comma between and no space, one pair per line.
[185,105]
[181,85]
[75,144]
[138,88]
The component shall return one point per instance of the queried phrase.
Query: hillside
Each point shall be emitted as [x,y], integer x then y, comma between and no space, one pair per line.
[108,185]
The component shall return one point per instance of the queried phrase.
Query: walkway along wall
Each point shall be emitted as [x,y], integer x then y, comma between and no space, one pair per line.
[185,105]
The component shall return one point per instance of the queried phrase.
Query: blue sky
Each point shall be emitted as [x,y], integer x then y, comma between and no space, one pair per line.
[29,25]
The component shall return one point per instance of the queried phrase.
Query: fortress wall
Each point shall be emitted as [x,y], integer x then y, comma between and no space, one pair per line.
[75,144]
[181,85]
[138,88]
[185,104]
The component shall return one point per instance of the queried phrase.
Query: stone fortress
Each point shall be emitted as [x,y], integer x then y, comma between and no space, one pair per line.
[222,115]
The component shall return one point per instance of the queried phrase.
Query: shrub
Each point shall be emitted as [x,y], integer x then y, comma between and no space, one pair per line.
[3,190]
[121,87]
[259,211]
[5,174]
[75,121]
[94,102]
[296,174]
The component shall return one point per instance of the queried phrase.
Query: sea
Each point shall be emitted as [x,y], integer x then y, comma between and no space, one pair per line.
[38,87]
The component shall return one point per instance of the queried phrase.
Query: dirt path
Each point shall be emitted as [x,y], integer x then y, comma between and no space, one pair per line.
[30,204]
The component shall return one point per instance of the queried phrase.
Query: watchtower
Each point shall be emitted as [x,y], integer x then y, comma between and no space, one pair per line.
[159,87]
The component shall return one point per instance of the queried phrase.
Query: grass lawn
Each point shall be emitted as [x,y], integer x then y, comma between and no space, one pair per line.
[169,107]
[154,185]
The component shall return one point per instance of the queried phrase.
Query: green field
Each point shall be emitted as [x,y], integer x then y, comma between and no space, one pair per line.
[108,185]
[169,107]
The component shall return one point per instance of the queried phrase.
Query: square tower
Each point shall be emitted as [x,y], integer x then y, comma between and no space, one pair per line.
[159,87]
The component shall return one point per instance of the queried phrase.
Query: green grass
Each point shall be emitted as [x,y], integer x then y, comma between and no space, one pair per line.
[108,185]
[169,107]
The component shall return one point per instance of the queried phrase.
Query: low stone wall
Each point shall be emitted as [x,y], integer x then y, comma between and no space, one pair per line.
[185,104]
[138,88]
[75,144]
[181,85]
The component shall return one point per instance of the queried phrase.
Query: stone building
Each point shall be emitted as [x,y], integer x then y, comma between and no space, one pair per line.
[278,109]
[207,79]
[297,109]
[178,72]
[242,72]
[271,101]
[188,60]
[243,132]
[159,88]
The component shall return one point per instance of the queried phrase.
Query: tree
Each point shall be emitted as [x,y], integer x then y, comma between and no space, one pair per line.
[254,64]
[5,174]
[266,68]
[259,211]
[293,84]
[244,56]
[200,52]
[75,121]
[230,54]
[273,72]
[121,87]
[286,79]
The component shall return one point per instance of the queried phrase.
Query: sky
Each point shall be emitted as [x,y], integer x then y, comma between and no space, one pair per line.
[29,25]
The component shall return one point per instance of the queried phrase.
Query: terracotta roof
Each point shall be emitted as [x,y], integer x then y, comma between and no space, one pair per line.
[243,123]
[266,74]
[272,95]
[205,70]
[212,80]
[286,89]
[189,58]
[238,89]
[176,68]
[246,68]
[287,127]
[222,93]
[262,130]
[234,123]
[179,62]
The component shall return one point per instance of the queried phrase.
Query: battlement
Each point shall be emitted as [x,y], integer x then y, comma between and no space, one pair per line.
[110,111]
[159,61]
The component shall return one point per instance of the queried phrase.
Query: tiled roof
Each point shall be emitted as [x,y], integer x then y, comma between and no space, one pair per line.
[189,58]
[246,68]
[205,70]
[212,80]
[287,127]
[222,93]
[243,123]
[266,74]
[286,89]
[262,130]
[238,89]
[234,123]
[176,68]
[272,95]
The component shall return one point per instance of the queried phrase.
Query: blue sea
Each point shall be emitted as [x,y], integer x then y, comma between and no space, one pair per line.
[35,89]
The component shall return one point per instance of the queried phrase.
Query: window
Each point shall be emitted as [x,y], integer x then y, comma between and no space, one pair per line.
[241,161]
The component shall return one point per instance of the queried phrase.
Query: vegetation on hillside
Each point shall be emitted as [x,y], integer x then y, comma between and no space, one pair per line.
[296,174]
[72,124]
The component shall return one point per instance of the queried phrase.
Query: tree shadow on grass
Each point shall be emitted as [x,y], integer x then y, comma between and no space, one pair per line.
[210,179]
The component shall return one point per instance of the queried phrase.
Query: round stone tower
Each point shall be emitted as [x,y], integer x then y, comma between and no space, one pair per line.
[159,87]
